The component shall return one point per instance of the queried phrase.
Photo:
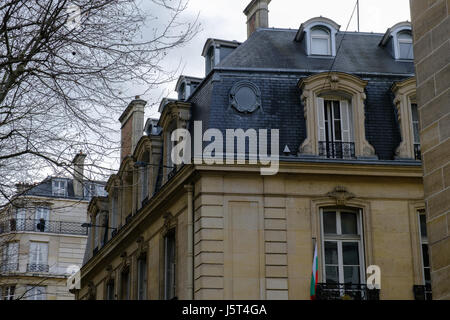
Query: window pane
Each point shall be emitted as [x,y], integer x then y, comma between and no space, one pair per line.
[331,253]
[329,222]
[427,275]
[426,261]
[423,226]
[406,50]
[350,253]
[349,224]
[351,275]
[332,274]
[319,46]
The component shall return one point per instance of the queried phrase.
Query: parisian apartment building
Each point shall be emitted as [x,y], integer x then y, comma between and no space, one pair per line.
[42,240]
[349,183]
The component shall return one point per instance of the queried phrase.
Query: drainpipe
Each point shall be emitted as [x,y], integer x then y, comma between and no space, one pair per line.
[190,242]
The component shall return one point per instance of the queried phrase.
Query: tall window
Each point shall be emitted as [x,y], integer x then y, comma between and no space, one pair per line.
[110,294]
[342,246]
[8,293]
[416,131]
[335,129]
[424,246]
[35,293]
[41,217]
[125,284]
[114,209]
[405,45]
[38,259]
[320,41]
[10,257]
[142,278]
[144,183]
[20,219]
[59,187]
[169,265]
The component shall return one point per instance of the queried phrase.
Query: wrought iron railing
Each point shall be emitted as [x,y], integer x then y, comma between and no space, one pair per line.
[41,225]
[417,153]
[33,267]
[337,150]
[9,267]
[341,291]
[422,292]
[172,173]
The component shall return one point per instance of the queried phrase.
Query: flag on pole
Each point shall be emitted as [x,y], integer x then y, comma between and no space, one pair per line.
[314,275]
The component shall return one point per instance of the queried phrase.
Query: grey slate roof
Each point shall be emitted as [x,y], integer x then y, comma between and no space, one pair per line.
[277,49]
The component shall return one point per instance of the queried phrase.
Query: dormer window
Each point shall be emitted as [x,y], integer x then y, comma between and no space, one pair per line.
[405,45]
[320,41]
[398,41]
[318,36]
[59,188]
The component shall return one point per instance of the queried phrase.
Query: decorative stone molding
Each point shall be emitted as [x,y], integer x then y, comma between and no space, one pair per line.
[405,95]
[245,97]
[334,84]
[142,247]
[92,291]
[341,195]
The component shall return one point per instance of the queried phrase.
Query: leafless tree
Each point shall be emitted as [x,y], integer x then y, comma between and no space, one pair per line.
[64,69]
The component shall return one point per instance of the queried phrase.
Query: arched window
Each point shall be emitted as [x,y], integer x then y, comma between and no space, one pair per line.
[320,41]
[405,45]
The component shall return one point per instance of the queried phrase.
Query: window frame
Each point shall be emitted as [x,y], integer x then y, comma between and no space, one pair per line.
[125,288]
[11,258]
[37,254]
[32,289]
[6,292]
[142,271]
[173,283]
[56,188]
[423,241]
[340,238]
[320,37]
[404,41]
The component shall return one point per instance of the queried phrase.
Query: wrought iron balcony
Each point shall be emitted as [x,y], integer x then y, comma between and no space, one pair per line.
[422,292]
[417,153]
[341,291]
[172,173]
[32,267]
[9,267]
[41,225]
[337,150]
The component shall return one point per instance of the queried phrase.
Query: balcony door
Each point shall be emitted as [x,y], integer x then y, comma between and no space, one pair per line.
[335,129]
[342,247]
[38,257]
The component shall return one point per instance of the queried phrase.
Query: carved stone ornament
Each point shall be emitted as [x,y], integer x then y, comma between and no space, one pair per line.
[341,195]
[142,246]
[92,291]
[245,97]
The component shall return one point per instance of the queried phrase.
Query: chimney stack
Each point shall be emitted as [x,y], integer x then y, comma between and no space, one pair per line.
[132,121]
[78,174]
[257,13]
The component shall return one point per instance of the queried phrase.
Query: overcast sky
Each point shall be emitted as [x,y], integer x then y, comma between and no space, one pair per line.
[224,19]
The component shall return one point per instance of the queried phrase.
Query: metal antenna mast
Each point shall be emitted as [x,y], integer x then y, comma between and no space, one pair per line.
[357,3]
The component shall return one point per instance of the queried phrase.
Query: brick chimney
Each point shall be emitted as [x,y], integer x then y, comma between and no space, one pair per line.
[132,121]
[257,13]
[78,174]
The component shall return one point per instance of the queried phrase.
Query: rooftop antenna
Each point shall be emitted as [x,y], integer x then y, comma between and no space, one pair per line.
[357,3]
